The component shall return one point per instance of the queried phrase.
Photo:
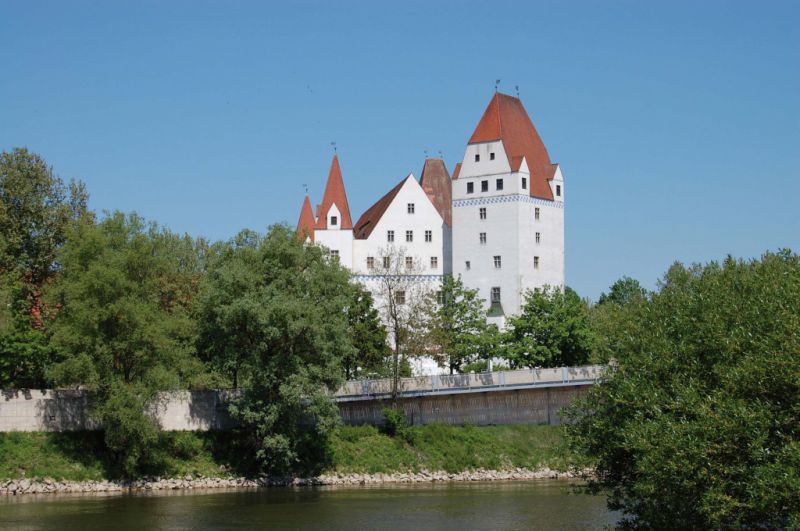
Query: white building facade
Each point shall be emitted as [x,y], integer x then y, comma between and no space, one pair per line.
[498,223]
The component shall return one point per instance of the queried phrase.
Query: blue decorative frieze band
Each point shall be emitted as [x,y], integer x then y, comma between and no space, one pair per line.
[514,198]
[406,278]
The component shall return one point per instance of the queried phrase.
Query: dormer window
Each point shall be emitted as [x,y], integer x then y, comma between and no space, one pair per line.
[491,156]
[558,190]
[477,158]
[334,221]
[524,183]
[411,208]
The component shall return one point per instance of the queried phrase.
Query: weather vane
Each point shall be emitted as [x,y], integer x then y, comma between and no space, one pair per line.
[305,186]
[516,87]
[496,84]
[334,146]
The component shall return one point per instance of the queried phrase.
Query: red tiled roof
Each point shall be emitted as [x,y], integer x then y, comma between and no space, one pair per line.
[456,170]
[369,219]
[505,119]
[334,193]
[436,182]
[305,225]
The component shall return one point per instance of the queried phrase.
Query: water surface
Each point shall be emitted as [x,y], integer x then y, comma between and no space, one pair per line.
[453,506]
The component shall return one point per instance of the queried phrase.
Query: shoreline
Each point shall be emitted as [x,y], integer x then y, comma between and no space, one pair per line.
[14,487]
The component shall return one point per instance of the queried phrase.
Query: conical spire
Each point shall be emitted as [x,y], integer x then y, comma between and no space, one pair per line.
[305,225]
[505,119]
[334,195]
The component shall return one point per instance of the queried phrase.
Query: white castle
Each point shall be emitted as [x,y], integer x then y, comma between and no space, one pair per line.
[498,223]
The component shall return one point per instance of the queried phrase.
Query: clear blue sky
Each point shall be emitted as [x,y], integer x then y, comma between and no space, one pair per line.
[677,125]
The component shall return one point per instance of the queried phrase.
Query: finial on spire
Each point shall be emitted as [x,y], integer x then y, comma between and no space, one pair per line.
[441,155]
[334,146]
[496,84]
[516,87]
[426,153]
[305,187]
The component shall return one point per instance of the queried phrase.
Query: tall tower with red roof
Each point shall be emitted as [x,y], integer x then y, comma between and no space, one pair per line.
[334,227]
[508,210]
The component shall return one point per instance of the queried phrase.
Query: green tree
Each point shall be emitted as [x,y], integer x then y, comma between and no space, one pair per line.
[36,210]
[698,425]
[371,356]
[122,327]
[279,308]
[552,330]
[457,321]
[604,317]
[623,292]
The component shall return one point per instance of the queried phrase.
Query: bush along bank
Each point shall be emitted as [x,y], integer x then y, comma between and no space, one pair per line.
[363,455]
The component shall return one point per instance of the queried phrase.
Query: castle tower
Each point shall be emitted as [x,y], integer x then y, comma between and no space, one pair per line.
[305,225]
[508,210]
[334,227]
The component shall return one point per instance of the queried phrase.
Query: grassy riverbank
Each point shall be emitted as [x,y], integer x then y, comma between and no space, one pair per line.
[363,449]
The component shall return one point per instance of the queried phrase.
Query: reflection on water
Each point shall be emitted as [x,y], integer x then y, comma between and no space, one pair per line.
[453,506]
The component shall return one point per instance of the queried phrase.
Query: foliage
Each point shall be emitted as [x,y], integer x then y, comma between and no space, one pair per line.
[36,209]
[552,330]
[697,427]
[623,292]
[123,326]
[371,357]
[24,350]
[279,309]
[458,320]
[624,297]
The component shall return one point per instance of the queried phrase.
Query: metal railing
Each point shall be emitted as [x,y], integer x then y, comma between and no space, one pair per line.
[471,383]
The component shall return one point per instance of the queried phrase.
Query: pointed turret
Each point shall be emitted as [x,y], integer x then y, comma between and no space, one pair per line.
[505,119]
[305,225]
[436,182]
[334,196]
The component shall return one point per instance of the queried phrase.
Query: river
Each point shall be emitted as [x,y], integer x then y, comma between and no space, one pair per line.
[547,504]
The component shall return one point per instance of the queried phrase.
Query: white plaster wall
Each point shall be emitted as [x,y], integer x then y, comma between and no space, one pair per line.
[510,228]
[397,218]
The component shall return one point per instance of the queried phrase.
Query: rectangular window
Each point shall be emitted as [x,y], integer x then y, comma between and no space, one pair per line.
[497,262]
[558,190]
[390,236]
[428,236]
[409,235]
[482,212]
[400,297]
[536,213]
[334,221]
[477,158]
[496,294]
[491,156]
[484,186]
[387,262]
[434,262]
[409,262]
[470,187]
[482,237]
[536,262]
[538,237]
[410,208]
[440,297]
[524,183]
[499,184]
[370,262]
[335,254]
[467,265]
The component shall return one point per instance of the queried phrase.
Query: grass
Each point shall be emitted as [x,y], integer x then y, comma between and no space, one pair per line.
[356,449]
